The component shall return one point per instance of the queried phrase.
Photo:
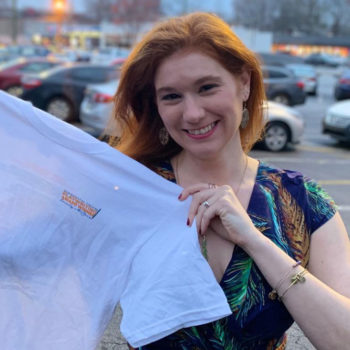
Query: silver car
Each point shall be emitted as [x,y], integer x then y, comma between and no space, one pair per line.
[97,107]
[307,74]
[283,124]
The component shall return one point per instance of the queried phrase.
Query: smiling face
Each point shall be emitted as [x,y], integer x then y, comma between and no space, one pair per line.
[200,102]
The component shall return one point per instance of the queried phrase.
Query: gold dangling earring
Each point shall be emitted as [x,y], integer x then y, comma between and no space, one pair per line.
[163,136]
[245,116]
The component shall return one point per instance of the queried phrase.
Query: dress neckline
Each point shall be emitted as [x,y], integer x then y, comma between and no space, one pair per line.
[236,248]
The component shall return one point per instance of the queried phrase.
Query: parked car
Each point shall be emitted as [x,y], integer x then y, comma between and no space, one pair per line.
[60,91]
[284,124]
[342,86]
[96,108]
[70,55]
[278,59]
[283,86]
[12,72]
[336,123]
[108,54]
[322,59]
[307,74]
[16,51]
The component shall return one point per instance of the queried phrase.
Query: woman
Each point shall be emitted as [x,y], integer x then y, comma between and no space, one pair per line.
[190,101]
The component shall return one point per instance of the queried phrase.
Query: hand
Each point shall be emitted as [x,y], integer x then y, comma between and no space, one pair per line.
[219,203]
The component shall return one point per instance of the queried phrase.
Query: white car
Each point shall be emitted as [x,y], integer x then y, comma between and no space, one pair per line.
[108,54]
[307,74]
[284,124]
[97,107]
[336,123]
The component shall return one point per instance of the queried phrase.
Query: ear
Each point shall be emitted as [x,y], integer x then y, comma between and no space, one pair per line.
[245,83]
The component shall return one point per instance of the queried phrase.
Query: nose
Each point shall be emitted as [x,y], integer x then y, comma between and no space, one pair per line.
[193,111]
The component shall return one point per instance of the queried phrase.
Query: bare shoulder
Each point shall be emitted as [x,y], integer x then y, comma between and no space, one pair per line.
[330,255]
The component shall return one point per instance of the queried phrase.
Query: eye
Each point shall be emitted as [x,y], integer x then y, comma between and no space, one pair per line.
[207,87]
[170,97]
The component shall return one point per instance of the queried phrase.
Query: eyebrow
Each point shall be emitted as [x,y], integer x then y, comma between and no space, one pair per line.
[199,81]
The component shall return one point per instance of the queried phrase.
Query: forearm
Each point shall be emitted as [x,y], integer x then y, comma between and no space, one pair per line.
[322,313]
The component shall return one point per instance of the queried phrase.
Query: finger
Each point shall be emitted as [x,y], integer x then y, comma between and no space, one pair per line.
[197,199]
[206,213]
[193,189]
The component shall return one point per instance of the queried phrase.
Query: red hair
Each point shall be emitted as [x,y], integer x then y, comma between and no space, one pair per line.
[135,107]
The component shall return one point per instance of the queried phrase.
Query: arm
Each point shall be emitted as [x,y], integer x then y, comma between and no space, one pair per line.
[321,305]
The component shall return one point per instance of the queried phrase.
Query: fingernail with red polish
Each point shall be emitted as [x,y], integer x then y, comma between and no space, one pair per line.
[180,195]
[188,222]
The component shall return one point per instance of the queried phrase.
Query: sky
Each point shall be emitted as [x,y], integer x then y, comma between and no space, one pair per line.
[221,7]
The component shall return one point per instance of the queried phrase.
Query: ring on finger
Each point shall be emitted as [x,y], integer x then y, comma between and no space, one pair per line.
[206,204]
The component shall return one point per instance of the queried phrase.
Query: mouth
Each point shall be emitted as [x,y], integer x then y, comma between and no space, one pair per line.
[202,131]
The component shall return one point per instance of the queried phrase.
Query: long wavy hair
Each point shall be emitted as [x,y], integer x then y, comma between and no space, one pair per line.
[135,108]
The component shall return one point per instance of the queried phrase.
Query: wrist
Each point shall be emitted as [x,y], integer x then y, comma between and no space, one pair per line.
[255,242]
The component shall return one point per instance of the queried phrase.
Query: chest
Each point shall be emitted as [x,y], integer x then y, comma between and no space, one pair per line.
[219,253]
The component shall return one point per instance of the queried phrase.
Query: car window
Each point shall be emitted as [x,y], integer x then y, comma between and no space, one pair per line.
[275,74]
[94,74]
[36,67]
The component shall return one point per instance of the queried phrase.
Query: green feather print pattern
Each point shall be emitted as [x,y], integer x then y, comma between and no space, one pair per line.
[319,197]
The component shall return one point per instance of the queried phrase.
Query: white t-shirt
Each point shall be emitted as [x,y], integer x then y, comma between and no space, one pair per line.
[82,227]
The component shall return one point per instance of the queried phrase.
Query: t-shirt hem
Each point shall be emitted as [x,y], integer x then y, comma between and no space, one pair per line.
[171,325]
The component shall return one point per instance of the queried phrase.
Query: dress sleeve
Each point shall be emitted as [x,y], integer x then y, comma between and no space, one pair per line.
[319,207]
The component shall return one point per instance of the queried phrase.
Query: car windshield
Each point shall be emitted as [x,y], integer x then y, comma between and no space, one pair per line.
[302,71]
[11,63]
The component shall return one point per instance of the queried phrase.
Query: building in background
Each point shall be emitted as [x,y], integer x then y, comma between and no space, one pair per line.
[305,45]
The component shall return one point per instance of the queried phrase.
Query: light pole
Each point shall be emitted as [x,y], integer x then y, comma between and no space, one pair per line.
[59,9]
[14,22]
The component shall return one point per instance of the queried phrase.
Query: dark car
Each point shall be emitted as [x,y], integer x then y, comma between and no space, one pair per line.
[322,59]
[342,87]
[278,59]
[12,72]
[60,91]
[283,86]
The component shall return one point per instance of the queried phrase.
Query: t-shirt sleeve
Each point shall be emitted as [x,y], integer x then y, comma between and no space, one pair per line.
[319,207]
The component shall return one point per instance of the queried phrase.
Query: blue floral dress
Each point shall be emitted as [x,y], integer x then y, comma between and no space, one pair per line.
[287,208]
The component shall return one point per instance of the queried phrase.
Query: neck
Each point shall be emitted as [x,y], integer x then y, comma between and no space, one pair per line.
[225,169]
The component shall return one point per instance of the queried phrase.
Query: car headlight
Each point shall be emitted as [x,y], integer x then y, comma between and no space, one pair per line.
[337,120]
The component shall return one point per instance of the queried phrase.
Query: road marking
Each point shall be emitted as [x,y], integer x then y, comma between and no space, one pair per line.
[321,149]
[324,149]
[305,160]
[334,182]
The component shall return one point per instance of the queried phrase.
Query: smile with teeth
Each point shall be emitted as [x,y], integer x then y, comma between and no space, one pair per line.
[202,131]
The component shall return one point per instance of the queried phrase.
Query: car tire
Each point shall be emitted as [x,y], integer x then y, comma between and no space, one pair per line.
[313,93]
[15,90]
[276,137]
[282,98]
[60,107]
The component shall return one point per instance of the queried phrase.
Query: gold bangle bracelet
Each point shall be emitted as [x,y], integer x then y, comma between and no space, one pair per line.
[298,277]
[273,295]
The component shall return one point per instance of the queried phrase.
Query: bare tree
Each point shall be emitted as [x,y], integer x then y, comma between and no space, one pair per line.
[255,14]
[307,16]
[124,11]
[338,15]
[100,10]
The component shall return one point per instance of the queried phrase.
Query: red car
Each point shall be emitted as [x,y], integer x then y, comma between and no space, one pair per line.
[11,72]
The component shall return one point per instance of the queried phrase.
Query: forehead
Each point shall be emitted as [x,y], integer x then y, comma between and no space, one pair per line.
[186,66]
